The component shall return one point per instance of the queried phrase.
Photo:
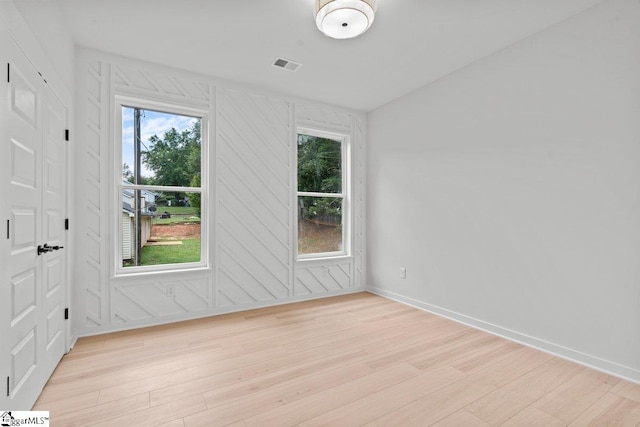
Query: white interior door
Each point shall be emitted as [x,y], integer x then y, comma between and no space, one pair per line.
[54,188]
[33,184]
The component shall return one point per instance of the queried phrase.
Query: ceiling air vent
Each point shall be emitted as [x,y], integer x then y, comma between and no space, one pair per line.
[287,64]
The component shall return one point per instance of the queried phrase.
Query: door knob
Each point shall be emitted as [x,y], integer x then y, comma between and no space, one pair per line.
[46,248]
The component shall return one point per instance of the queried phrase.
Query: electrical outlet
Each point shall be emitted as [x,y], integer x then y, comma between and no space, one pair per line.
[403,273]
[171,291]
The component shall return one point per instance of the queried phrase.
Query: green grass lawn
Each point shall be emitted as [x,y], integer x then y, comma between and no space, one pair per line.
[178,214]
[178,210]
[189,251]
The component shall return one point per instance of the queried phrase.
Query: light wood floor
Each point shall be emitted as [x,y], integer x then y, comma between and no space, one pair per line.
[352,360]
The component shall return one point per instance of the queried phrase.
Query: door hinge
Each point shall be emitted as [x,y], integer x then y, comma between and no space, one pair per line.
[8,390]
[66,223]
[8,72]
[66,134]
[8,229]
[66,314]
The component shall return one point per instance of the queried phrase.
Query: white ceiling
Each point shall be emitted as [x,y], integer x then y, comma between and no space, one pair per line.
[411,43]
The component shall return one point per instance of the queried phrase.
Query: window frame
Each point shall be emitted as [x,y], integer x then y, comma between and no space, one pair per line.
[345,195]
[121,102]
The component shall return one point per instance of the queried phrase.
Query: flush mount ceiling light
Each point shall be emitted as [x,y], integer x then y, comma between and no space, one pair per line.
[344,19]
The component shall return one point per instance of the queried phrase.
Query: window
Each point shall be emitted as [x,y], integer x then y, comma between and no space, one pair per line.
[322,194]
[159,189]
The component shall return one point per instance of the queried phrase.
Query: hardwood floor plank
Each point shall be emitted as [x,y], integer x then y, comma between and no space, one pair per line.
[188,381]
[174,423]
[569,400]
[70,369]
[610,410]
[461,418]
[533,417]
[358,359]
[325,332]
[378,404]
[219,396]
[517,364]
[507,401]
[277,396]
[433,408]
[439,338]
[73,387]
[67,404]
[107,412]
[88,344]
[150,417]
[454,397]
[301,410]
[476,359]
[628,390]
[447,351]
[231,382]
[352,332]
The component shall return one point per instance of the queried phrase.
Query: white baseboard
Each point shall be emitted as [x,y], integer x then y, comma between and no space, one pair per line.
[602,365]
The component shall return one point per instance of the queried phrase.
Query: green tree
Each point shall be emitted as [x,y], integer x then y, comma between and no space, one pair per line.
[194,198]
[319,164]
[174,158]
[127,173]
[320,171]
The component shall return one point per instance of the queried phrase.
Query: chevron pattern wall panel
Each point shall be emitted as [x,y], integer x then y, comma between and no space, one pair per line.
[314,279]
[330,276]
[141,300]
[135,80]
[358,164]
[92,238]
[323,117]
[252,200]
[253,169]
[107,302]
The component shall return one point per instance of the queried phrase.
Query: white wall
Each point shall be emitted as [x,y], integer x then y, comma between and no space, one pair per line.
[251,208]
[44,19]
[510,190]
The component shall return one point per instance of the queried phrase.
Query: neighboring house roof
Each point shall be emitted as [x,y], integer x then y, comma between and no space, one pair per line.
[126,207]
[129,194]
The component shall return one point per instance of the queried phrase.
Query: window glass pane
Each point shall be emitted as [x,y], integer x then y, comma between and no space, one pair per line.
[319,164]
[319,224]
[169,150]
[159,228]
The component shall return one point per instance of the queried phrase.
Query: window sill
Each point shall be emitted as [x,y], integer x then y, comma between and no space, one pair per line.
[182,272]
[325,260]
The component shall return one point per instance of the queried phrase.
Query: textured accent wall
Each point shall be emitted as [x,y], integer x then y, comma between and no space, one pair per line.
[252,260]
[359,190]
[92,121]
[320,276]
[254,184]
